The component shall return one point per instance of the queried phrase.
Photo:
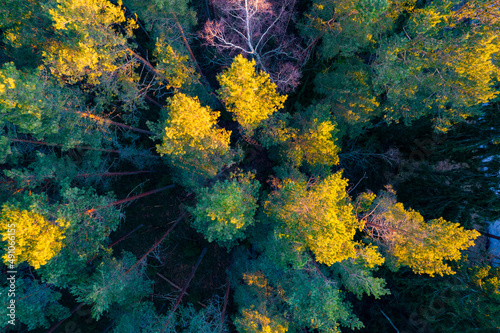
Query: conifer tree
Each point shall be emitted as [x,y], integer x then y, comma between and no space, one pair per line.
[225,210]
[112,283]
[442,66]
[37,304]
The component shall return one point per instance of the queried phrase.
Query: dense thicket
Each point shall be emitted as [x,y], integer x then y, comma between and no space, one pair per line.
[295,166]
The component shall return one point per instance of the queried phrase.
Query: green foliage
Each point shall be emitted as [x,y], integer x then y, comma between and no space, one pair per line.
[174,67]
[85,236]
[160,18]
[111,283]
[225,210]
[251,97]
[356,274]
[348,94]
[36,304]
[442,67]
[347,26]
[273,300]
[139,317]
[26,28]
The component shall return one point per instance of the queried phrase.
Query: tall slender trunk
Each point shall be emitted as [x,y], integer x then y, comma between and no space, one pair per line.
[107,121]
[119,202]
[157,243]
[179,299]
[75,147]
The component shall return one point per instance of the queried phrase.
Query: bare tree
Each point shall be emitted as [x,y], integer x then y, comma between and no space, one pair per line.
[257,29]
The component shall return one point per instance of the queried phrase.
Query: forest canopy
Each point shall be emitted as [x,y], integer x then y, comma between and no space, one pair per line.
[249,165]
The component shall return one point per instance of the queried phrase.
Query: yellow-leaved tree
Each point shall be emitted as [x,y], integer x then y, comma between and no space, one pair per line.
[315,215]
[192,139]
[410,241]
[250,96]
[30,236]
[90,45]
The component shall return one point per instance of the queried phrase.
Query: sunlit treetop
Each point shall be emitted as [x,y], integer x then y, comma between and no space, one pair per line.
[443,66]
[190,126]
[316,215]
[410,241]
[225,210]
[92,45]
[250,96]
[36,238]
[175,67]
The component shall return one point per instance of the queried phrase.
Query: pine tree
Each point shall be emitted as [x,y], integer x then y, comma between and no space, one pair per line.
[225,210]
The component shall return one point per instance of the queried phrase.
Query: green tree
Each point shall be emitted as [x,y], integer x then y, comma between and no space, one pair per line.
[442,66]
[224,211]
[37,304]
[113,283]
[349,26]
[348,93]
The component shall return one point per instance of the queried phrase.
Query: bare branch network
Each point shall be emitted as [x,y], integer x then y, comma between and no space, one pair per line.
[258,29]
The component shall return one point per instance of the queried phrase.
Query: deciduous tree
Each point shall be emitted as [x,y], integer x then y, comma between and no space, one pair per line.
[257,29]
[249,95]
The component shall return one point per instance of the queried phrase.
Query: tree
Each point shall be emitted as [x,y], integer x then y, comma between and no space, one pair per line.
[173,66]
[37,304]
[250,96]
[409,241]
[93,49]
[348,94]
[273,299]
[315,215]
[225,210]
[347,27]
[85,236]
[112,283]
[33,237]
[257,28]
[442,66]
[192,139]
[25,29]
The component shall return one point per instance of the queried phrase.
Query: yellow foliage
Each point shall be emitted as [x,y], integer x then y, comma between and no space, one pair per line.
[317,216]
[255,322]
[318,144]
[255,278]
[423,246]
[96,48]
[250,96]
[173,66]
[34,238]
[191,126]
